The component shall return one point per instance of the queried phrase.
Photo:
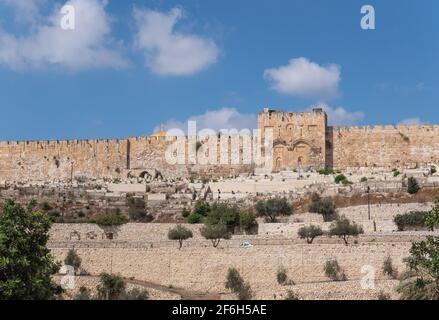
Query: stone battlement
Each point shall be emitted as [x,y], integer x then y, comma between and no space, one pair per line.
[301,139]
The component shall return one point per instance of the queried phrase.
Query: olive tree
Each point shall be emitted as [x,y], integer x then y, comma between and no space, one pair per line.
[310,233]
[215,232]
[344,228]
[272,208]
[180,233]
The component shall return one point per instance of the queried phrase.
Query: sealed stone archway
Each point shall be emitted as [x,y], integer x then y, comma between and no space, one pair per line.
[294,155]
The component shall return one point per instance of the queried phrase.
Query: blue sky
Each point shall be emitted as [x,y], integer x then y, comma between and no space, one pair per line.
[131,65]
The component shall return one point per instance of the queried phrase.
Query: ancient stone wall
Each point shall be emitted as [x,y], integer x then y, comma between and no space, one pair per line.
[33,161]
[61,160]
[388,146]
[300,140]
[299,137]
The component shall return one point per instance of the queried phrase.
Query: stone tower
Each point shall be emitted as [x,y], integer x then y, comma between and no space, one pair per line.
[299,138]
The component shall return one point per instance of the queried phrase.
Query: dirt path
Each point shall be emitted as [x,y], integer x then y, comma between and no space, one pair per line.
[183,293]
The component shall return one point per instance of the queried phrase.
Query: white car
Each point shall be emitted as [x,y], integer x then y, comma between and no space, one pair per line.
[246,245]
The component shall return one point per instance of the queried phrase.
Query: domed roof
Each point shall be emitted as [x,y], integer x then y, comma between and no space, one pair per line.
[160,133]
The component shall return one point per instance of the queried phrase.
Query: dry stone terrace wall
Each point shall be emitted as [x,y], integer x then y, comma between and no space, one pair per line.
[205,269]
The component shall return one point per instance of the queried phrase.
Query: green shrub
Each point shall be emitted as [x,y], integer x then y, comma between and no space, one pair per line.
[333,271]
[236,284]
[340,178]
[83,294]
[432,218]
[290,295]
[310,233]
[234,280]
[222,213]
[383,296]
[194,218]
[114,218]
[245,292]
[414,219]
[433,170]
[323,206]
[396,173]
[185,212]
[326,171]
[136,209]
[282,277]
[55,216]
[412,185]
[72,259]
[45,206]
[111,287]
[364,179]
[202,208]
[247,220]
[134,294]
[388,268]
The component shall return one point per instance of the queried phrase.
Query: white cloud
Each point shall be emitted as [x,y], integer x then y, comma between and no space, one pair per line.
[223,118]
[339,116]
[302,77]
[167,51]
[47,44]
[26,10]
[411,122]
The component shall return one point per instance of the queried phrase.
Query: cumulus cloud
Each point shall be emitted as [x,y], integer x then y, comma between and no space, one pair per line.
[26,10]
[339,116]
[169,52]
[411,122]
[223,118]
[302,77]
[47,44]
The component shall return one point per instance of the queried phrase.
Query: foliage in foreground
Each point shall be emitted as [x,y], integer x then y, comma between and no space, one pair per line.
[26,265]
[421,281]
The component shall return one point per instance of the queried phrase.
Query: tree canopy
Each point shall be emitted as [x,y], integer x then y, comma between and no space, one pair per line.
[180,233]
[272,208]
[215,232]
[344,228]
[26,265]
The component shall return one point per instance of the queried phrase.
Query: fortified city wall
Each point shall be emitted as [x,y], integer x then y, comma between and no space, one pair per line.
[300,140]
